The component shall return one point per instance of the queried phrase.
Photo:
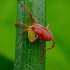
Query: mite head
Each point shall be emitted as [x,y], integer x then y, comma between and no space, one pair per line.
[35,26]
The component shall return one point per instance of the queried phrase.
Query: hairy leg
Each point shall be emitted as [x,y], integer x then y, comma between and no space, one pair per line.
[52,45]
[42,51]
[34,39]
[21,24]
[34,20]
[47,26]
[26,30]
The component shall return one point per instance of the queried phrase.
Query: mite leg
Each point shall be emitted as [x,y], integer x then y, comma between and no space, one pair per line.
[19,23]
[26,30]
[27,11]
[34,39]
[47,26]
[32,18]
[42,51]
[48,29]
[52,45]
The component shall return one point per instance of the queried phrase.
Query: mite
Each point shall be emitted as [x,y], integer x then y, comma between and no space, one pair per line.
[37,31]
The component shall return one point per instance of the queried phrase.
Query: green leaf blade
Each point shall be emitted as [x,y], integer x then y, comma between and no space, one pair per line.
[28,55]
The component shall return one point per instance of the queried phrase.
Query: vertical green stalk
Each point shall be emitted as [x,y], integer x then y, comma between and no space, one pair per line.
[28,55]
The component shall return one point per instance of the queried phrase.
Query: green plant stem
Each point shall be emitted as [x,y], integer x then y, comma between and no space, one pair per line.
[28,55]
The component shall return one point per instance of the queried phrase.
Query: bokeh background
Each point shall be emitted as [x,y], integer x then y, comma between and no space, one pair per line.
[58,15]
[7,33]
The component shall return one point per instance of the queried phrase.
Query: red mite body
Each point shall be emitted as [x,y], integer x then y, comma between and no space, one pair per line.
[41,32]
